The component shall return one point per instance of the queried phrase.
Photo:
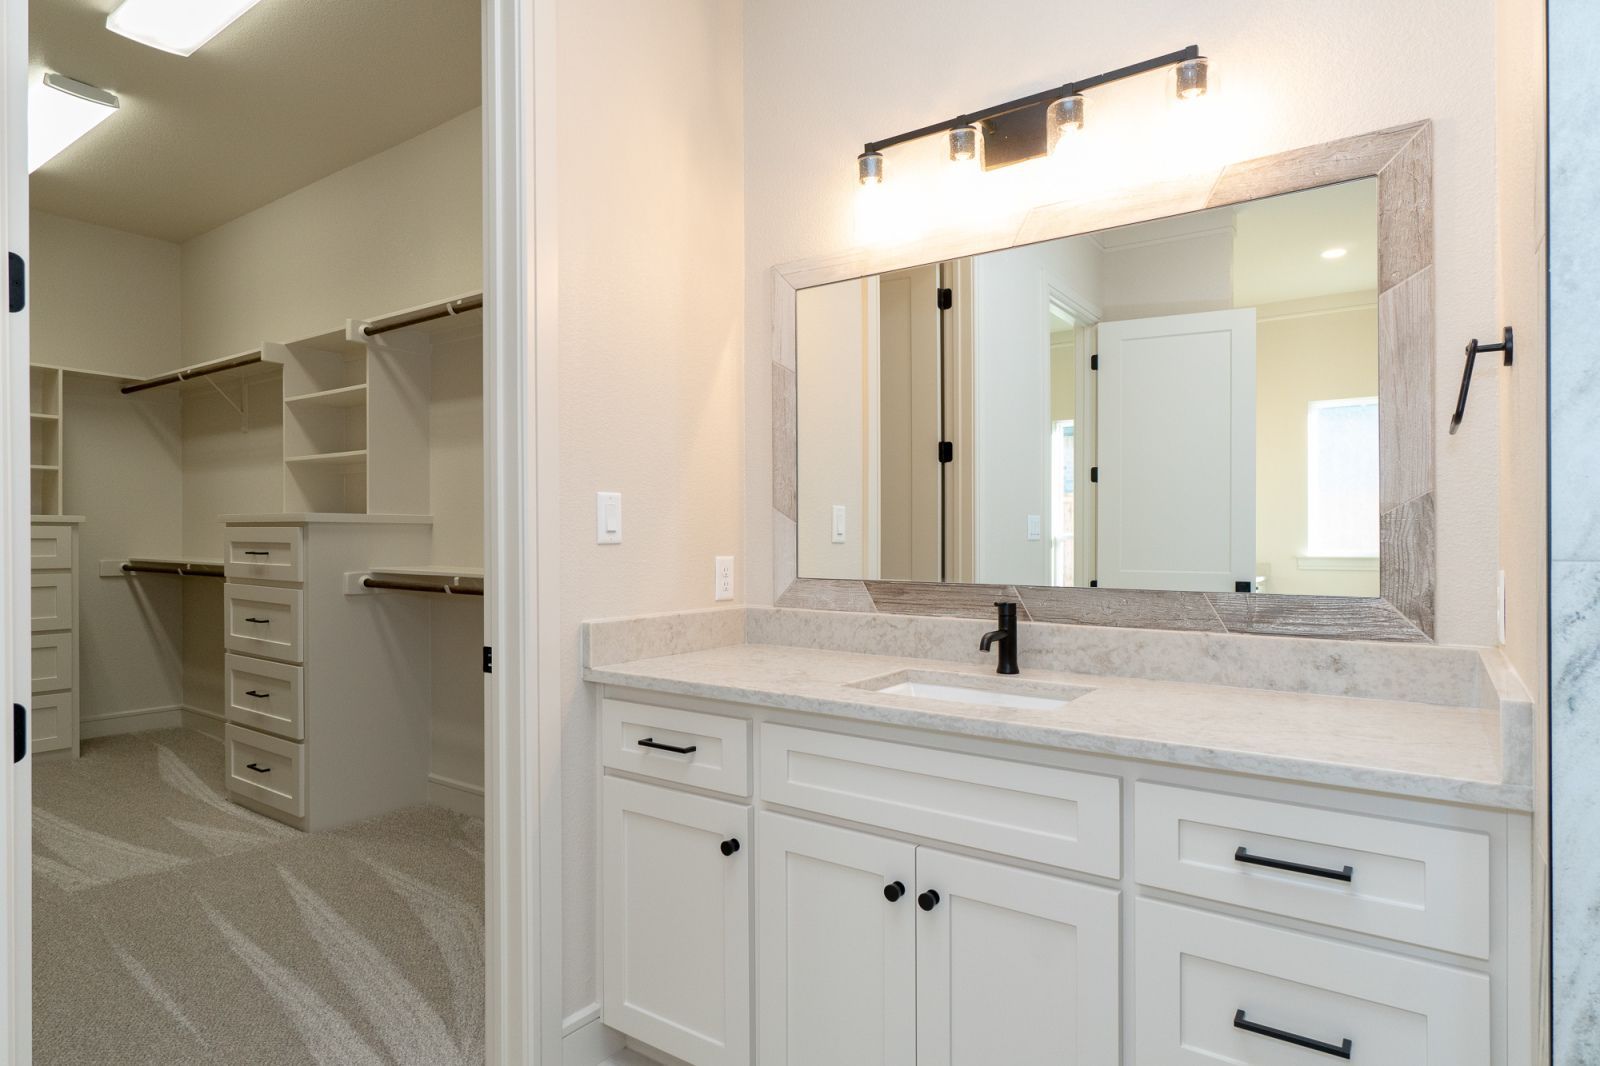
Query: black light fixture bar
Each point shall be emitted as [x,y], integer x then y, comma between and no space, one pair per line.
[1039,99]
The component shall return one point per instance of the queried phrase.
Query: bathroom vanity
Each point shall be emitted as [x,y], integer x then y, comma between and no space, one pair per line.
[815,855]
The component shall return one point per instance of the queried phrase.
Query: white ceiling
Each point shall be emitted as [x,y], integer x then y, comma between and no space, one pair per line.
[293,91]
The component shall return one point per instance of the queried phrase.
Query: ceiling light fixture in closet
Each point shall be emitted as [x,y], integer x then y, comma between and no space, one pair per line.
[181,27]
[61,110]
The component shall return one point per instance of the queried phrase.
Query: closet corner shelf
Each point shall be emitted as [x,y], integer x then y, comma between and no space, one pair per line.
[351,458]
[348,396]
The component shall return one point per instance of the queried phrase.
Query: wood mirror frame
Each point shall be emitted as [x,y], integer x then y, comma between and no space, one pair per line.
[1402,160]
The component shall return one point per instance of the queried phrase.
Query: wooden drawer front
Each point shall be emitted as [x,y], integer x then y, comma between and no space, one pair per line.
[54,600]
[1421,884]
[267,769]
[265,695]
[261,620]
[52,547]
[54,716]
[264,553]
[719,761]
[52,662]
[1196,972]
[1049,815]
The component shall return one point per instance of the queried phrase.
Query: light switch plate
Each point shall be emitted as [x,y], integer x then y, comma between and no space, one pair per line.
[608,518]
[1034,527]
[838,523]
[722,586]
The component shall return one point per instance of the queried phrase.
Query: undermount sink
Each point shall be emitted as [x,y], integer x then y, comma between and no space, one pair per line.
[972,691]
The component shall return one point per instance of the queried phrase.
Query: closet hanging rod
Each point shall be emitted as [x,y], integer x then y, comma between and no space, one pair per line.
[232,363]
[415,586]
[180,569]
[454,307]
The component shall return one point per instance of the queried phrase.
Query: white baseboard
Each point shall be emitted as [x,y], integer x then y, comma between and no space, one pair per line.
[136,720]
[210,723]
[591,1044]
[458,796]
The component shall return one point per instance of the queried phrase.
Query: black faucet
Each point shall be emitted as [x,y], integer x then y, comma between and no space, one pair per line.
[1007,636]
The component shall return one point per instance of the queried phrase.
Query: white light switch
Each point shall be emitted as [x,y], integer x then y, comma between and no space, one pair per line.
[608,518]
[1033,527]
[838,523]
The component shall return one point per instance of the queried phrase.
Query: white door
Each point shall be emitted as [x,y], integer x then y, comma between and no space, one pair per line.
[1177,452]
[909,426]
[837,933]
[1013,966]
[16,1027]
[677,921]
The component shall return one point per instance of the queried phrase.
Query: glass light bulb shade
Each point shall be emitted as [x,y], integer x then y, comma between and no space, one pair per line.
[61,110]
[869,168]
[1064,117]
[1192,78]
[963,144]
[177,26]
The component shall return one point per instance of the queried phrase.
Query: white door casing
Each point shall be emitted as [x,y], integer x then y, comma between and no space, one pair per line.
[1176,440]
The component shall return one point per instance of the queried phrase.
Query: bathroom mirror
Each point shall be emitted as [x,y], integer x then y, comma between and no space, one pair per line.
[1189,403]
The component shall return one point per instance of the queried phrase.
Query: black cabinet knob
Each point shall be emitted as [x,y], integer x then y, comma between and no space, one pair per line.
[730,845]
[893,891]
[928,900]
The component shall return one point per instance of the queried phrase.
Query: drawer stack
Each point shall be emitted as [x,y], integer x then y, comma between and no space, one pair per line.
[55,636]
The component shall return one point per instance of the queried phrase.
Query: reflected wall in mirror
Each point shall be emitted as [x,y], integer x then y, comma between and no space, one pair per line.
[1185,404]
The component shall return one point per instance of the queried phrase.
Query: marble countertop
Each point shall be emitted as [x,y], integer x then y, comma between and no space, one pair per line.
[1399,748]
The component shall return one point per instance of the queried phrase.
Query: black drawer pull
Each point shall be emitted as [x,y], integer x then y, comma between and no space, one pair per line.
[894,890]
[258,769]
[1338,1051]
[928,900]
[730,845]
[1241,855]
[259,621]
[257,695]
[249,552]
[650,742]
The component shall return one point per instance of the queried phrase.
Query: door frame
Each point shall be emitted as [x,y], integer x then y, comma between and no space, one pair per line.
[522,873]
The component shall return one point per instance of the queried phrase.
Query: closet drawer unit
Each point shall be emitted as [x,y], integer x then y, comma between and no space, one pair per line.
[52,662]
[51,547]
[54,600]
[265,695]
[264,553]
[267,769]
[707,751]
[1214,989]
[1421,884]
[263,620]
[1043,813]
[54,716]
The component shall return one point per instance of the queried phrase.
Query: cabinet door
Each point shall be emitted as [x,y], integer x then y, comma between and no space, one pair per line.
[677,922]
[838,955]
[1013,966]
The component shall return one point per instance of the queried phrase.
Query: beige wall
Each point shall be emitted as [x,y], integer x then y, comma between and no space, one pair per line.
[820,81]
[836,325]
[101,299]
[399,229]
[652,349]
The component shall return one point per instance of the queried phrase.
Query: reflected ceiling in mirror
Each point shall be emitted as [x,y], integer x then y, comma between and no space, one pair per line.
[1186,404]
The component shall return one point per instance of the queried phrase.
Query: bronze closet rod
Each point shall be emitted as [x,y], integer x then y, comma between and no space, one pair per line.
[189,375]
[454,307]
[414,586]
[180,569]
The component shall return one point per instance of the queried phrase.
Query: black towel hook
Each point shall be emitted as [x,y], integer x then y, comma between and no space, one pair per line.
[1473,348]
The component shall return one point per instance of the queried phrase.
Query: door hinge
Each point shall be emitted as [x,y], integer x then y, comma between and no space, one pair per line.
[1094,361]
[1094,474]
[18,272]
[947,451]
[488,660]
[947,299]
[19,732]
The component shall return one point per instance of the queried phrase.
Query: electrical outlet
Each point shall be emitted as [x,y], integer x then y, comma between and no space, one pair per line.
[723,583]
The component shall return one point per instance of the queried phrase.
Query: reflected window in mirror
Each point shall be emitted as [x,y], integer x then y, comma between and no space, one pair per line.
[1182,404]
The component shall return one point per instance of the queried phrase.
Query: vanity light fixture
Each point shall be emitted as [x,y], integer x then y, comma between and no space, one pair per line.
[61,110]
[1030,126]
[181,27]
[1335,253]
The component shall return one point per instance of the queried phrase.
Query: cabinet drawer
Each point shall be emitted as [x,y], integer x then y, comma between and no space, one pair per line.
[1221,990]
[52,662]
[1049,815]
[719,761]
[51,547]
[262,620]
[265,695]
[55,716]
[1421,884]
[264,553]
[267,769]
[54,600]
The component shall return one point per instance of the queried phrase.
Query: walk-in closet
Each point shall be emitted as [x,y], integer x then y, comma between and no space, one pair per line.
[258,572]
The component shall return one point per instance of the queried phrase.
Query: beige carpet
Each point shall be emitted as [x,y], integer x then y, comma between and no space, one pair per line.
[172,927]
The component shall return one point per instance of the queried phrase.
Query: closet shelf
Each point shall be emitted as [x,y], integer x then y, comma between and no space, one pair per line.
[251,364]
[348,396]
[353,458]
